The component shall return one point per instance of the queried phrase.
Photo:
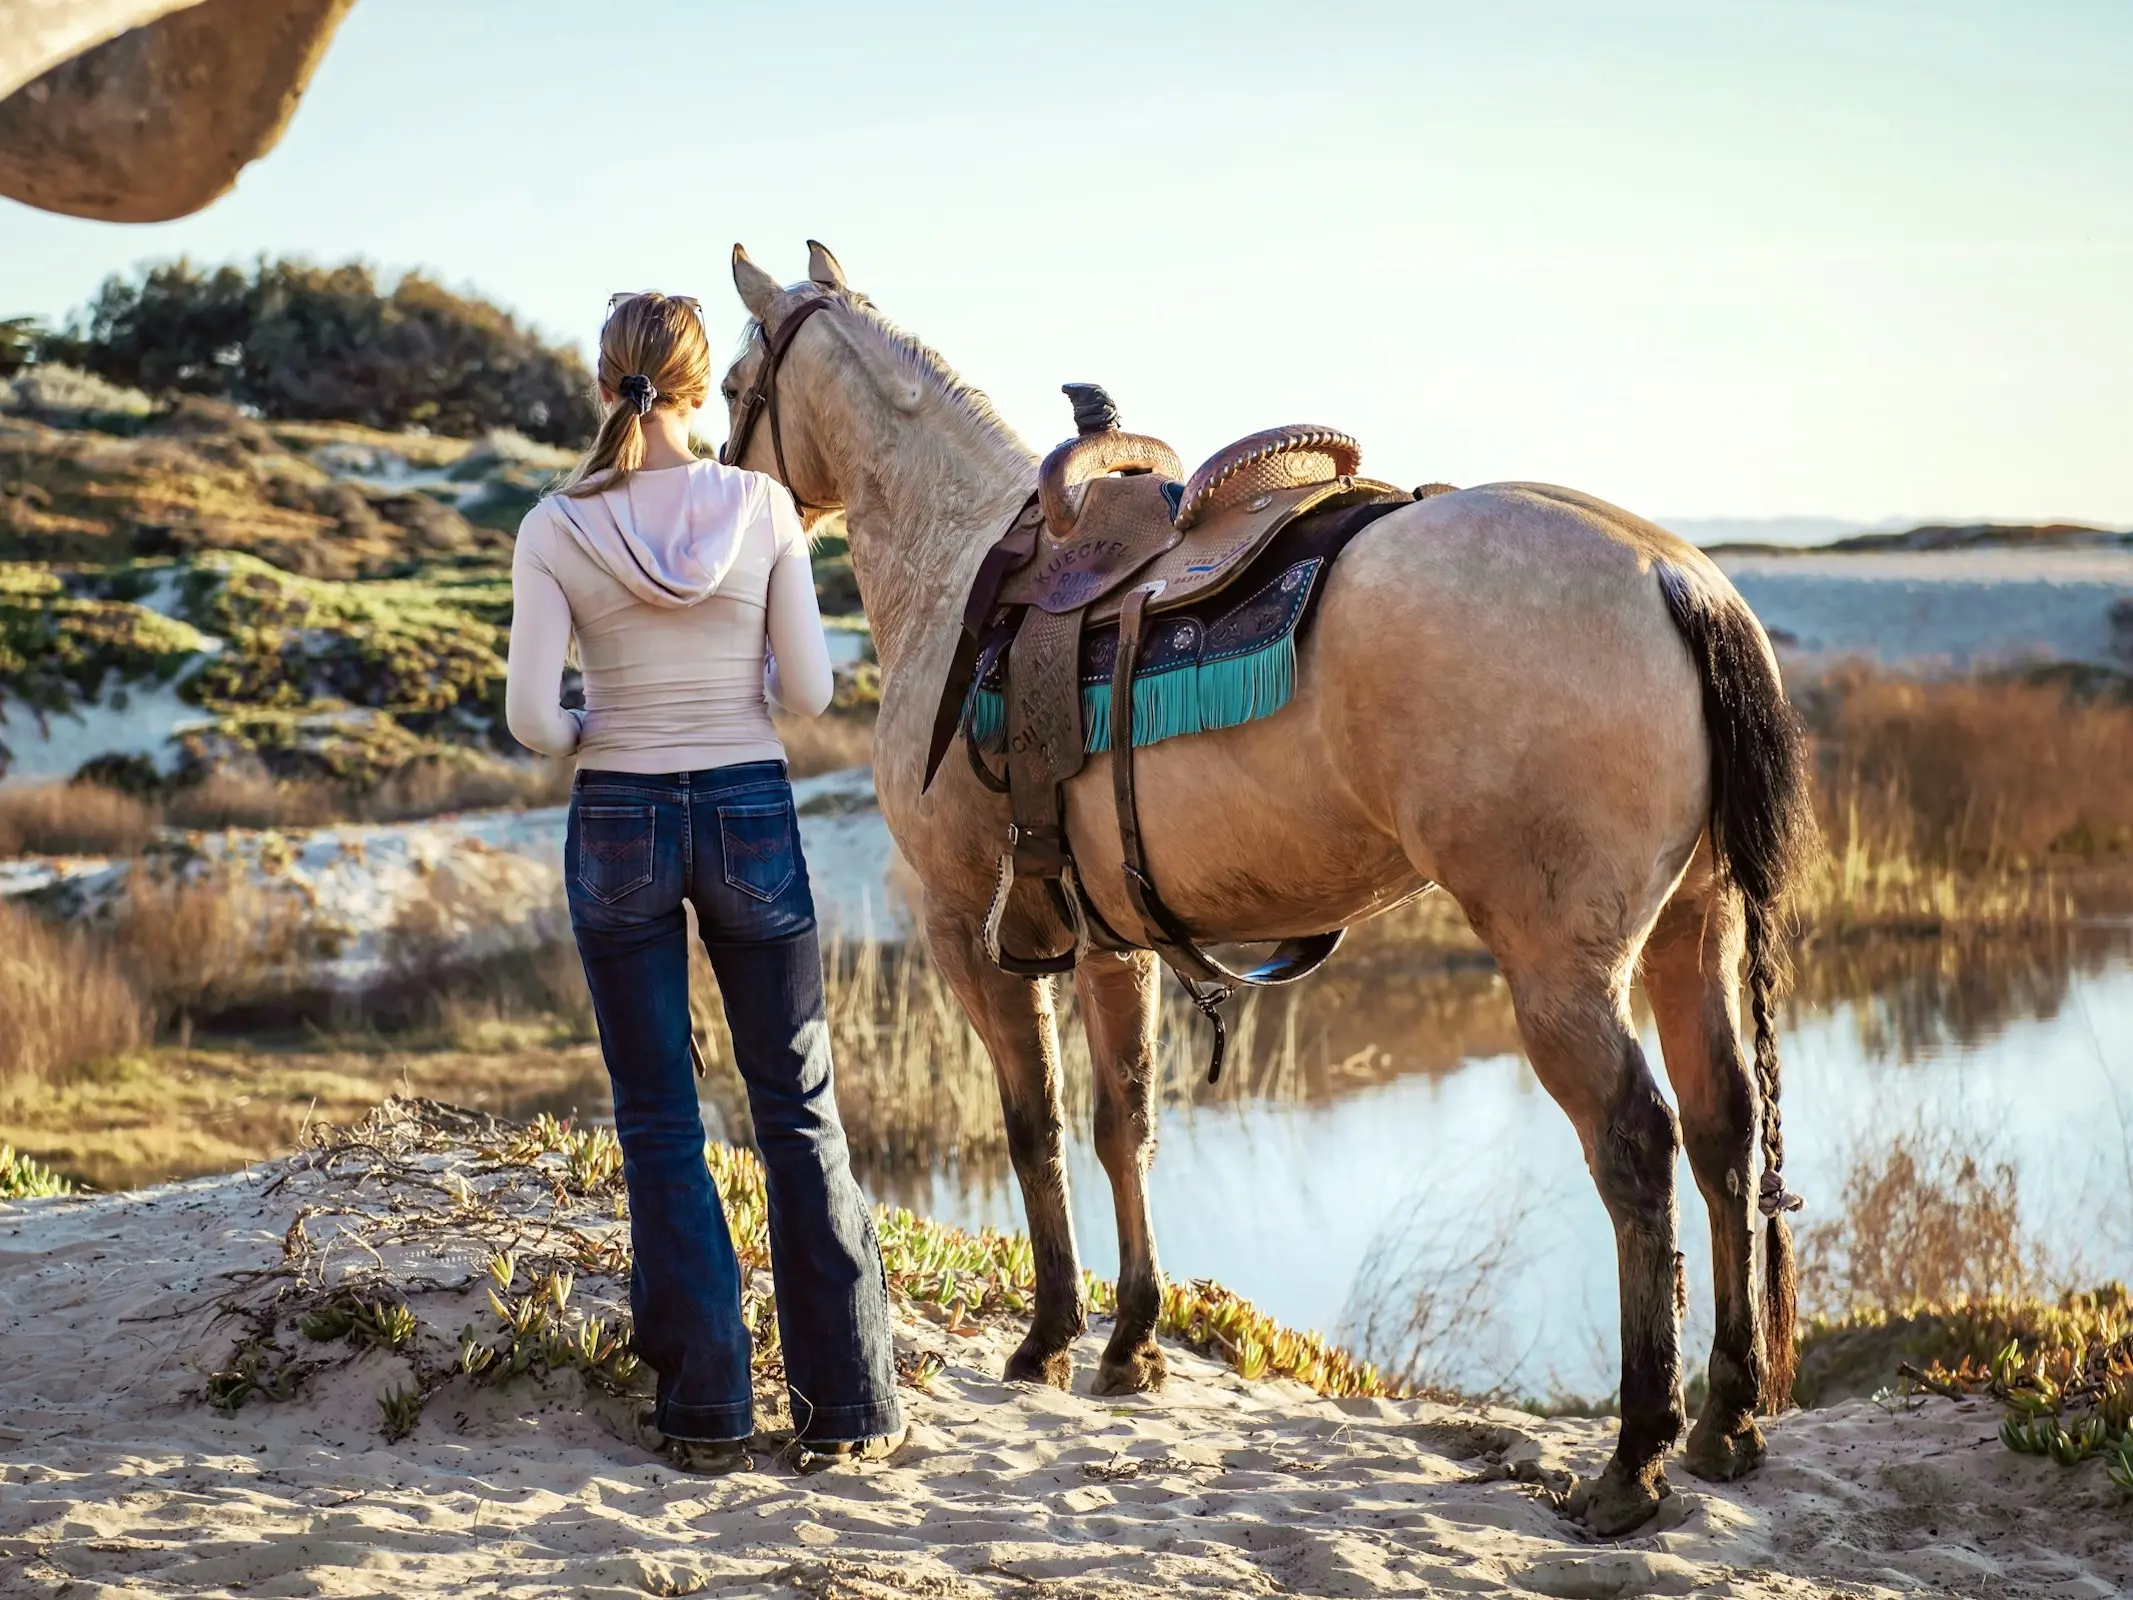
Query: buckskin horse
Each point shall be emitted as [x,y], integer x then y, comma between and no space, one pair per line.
[1560,714]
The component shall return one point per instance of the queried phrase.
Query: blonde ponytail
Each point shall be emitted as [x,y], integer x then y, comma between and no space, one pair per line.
[652,353]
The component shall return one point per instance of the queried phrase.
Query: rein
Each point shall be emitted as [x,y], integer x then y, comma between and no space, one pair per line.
[762,396]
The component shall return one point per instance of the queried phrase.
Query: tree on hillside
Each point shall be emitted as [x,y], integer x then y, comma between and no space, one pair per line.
[18,342]
[307,343]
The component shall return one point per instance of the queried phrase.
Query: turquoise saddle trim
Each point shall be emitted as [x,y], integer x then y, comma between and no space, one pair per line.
[1193,677]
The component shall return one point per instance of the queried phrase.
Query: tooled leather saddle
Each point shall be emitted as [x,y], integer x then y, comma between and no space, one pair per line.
[1117,533]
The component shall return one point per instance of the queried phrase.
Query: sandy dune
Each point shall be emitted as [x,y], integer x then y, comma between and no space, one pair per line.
[116,1478]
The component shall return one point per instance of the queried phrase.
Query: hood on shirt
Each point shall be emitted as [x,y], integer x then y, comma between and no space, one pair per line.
[676,562]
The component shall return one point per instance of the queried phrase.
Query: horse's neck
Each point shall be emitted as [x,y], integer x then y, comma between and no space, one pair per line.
[926,494]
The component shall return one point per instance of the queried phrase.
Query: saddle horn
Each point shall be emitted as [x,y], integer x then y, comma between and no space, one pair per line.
[1097,449]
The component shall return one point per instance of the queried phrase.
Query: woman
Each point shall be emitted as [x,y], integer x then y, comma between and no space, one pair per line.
[672,573]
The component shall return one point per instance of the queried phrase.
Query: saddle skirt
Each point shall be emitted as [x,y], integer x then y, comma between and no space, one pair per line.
[1224,657]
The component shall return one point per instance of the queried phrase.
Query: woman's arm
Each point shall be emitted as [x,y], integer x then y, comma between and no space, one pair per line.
[540,638]
[797,676]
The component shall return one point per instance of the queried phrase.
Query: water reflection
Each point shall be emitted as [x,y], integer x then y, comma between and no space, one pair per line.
[1405,1144]
[1915,998]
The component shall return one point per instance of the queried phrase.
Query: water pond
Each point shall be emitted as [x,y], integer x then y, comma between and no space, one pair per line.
[1441,1206]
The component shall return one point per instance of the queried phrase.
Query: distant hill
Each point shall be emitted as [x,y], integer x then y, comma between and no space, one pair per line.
[1775,532]
[1941,537]
[1775,535]
[1988,536]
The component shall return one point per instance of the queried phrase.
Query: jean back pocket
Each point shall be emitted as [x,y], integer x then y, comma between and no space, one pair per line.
[757,847]
[614,850]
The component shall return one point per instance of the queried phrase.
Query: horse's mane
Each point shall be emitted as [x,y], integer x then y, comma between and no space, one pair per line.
[923,362]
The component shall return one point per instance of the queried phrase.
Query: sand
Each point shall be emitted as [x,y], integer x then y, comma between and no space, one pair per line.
[117,1478]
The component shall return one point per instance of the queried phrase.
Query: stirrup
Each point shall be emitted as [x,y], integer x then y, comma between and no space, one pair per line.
[1068,901]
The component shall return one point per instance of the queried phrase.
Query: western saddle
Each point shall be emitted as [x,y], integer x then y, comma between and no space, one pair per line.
[1114,534]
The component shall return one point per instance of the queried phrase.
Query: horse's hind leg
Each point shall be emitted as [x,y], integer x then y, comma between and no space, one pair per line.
[1118,1004]
[1014,1018]
[1573,1014]
[1691,973]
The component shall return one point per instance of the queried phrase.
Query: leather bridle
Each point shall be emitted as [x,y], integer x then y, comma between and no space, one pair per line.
[762,395]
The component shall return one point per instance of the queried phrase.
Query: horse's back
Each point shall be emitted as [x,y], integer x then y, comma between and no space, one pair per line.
[1487,670]
[1498,666]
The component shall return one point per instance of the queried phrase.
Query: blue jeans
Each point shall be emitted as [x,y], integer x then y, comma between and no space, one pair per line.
[727,842]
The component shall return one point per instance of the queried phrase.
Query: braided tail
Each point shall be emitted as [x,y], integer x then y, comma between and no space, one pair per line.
[1781,1276]
[1762,834]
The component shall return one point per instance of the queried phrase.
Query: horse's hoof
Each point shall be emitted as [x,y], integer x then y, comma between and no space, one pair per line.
[1033,1364]
[1617,1502]
[1719,1454]
[1136,1372]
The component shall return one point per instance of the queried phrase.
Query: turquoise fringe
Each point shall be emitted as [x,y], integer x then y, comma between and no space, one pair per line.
[988,717]
[1216,694]
[1245,688]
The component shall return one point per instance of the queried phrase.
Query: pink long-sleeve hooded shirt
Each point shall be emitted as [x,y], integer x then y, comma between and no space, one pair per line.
[673,583]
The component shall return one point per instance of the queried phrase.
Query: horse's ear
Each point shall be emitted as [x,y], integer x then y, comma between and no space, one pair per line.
[758,289]
[822,267]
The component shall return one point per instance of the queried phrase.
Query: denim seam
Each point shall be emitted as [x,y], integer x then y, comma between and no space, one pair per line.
[783,810]
[774,776]
[872,1421]
[779,791]
[651,858]
[678,1420]
[858,1408]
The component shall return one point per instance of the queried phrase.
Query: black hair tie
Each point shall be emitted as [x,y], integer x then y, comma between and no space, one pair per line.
[638,391]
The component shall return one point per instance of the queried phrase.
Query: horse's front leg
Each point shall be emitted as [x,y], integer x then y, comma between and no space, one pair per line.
[1015,1020]
[1118,996]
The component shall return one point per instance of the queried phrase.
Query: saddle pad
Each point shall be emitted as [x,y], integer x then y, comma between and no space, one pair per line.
[1213,665]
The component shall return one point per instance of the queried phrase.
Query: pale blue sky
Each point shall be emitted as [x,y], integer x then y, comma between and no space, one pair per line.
[1702,258]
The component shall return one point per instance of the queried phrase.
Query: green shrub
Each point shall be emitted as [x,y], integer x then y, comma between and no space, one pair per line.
[301,342]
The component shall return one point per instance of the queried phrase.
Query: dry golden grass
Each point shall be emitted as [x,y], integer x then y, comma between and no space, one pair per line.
[64,1002]
[244,797]
[157,1115]
[1966,803]
[73,819]
[829,743]
[507,999]
[1981,773]
[1929,1219]
[435,788]
[916,1088]
[249,798]
[198,943]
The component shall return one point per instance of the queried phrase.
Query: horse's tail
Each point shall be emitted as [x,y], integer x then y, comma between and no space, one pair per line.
[1763,835]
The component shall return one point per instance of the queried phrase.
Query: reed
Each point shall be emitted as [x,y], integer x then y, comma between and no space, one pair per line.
[65,1002]
[1997,802]
[1930,1218]
[830,743]
[915,1087]
[248,797]
[201,942]
[73,819]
